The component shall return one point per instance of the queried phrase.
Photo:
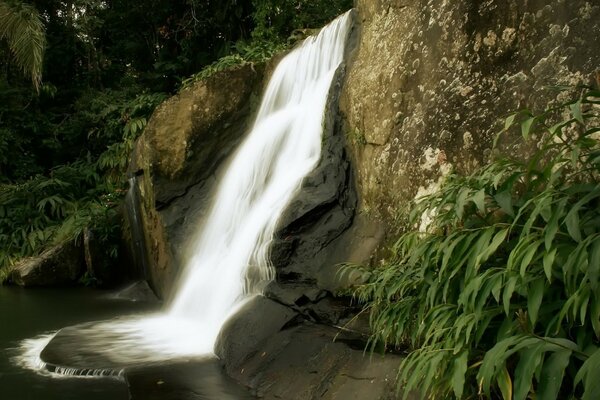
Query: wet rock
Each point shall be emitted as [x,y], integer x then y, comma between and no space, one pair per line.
[304,362]
[256,322]
[310,240]
[60,265]
[178,157]
[137,291]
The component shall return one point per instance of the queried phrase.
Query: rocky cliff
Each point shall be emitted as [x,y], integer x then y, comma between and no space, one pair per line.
[431,82]
[178,158]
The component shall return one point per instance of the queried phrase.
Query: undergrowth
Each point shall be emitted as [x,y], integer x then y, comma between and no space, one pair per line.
[499,296]
[49,209]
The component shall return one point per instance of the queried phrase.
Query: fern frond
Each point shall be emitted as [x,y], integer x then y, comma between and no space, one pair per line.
[22,28]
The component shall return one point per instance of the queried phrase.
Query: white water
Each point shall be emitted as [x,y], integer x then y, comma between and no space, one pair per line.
[230,259]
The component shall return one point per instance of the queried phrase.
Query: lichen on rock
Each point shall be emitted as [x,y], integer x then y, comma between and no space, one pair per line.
[447,73]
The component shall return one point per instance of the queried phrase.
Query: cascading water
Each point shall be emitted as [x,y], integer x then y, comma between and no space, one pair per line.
[132,204]
[230,259]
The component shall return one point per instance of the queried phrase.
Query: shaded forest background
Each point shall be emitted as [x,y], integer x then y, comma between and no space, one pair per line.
[64,145]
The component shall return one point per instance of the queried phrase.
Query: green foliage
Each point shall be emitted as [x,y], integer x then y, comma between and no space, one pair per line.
[46,210]
[499,296]
[22,28]
[279,18]
[247,53]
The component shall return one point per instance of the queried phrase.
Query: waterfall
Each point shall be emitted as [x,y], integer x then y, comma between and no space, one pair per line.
[230,260]
[132,206]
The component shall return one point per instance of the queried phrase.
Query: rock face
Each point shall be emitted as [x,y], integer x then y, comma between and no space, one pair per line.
[311,238]
[177,158]
[60,265]
[431,82]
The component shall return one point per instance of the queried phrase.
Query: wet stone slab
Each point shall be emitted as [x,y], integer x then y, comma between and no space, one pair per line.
[75,350]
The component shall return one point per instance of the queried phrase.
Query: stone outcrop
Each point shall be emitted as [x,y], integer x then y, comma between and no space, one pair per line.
[177,159]
[431,82]
[62,264]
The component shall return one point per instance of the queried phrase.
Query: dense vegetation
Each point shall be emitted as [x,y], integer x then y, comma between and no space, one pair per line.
[495,291]
[67,124]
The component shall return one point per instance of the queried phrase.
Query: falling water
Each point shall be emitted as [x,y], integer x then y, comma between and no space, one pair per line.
[230,259]
[132,204]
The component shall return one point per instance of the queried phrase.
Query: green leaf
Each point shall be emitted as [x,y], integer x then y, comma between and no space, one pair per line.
[588,374]
[458,374]
[508,292]
[552,374]
[510,121]
[529,359]
[504,200]
[593,271]
[461,201]
[552,226]
[576,111]
[505,384]
[526,127]
[534,299]
[479,200]
[529,254]
[572,222]
[548,263]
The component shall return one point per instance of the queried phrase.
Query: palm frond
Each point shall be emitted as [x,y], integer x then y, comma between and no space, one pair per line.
[23,30]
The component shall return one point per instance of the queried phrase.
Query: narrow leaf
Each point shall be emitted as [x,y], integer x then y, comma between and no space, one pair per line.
[552,374]
[534,299]
[458,374]
[505,384]
[526,127]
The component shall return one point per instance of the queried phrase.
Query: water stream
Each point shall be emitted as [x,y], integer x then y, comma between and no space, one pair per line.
[230,260]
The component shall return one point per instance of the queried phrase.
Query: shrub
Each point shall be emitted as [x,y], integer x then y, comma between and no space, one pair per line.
[499,296]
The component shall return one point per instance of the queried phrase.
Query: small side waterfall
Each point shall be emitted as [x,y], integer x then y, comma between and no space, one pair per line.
[230,260]
[132,204]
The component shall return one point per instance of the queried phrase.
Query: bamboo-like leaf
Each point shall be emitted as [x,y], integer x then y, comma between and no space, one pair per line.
[593,271]
[534,299]
[510,120]
[552,226]
[530,252]
[572,222]
[461,200]
[595,315]
[508,292]
[458,374]
[526,127]
[548,262]
[588,375]
[576,111]
[505,384]
[552,374]
[479,199]
[504,200]
[529,359]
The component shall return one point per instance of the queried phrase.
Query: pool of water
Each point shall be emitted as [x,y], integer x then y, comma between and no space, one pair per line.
[28,313]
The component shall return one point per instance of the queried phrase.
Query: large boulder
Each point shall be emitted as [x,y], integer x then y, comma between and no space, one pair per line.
[177,159]
[62,264]
[431,82]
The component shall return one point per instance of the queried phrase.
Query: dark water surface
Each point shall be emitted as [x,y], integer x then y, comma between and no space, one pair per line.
[26,313]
